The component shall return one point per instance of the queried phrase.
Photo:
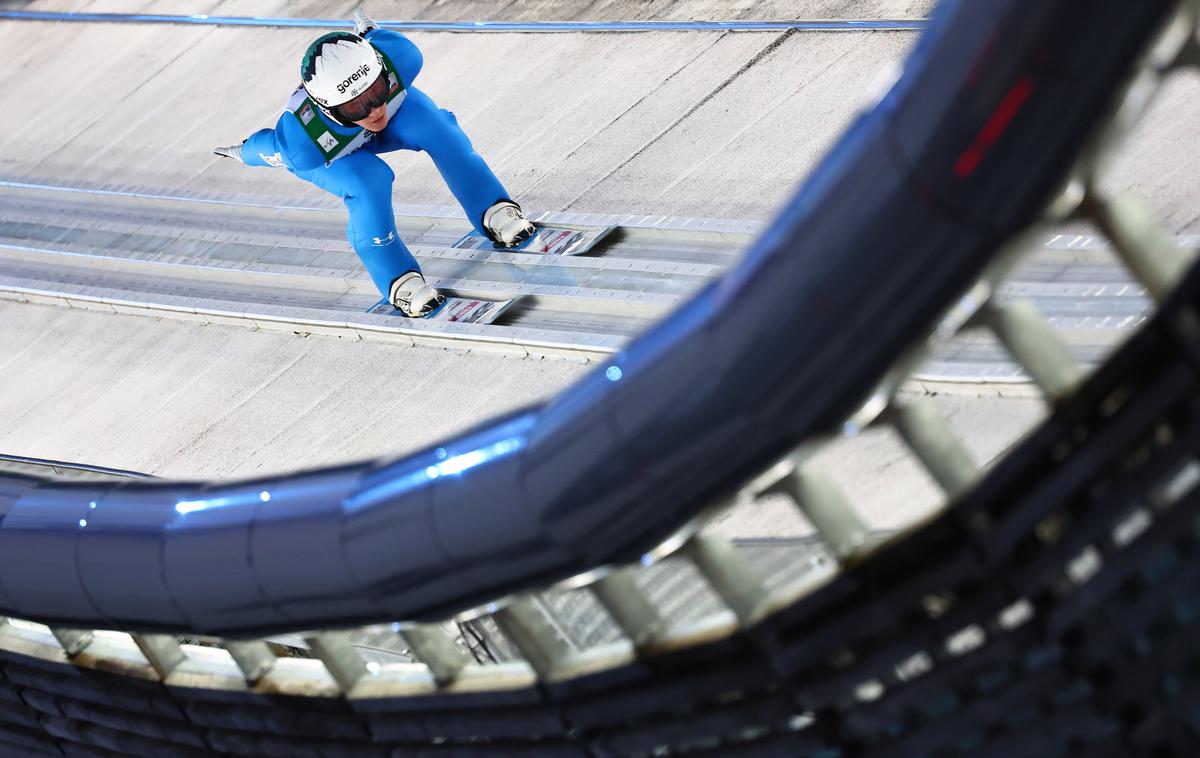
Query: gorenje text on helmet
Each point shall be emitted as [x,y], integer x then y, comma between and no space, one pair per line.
[361,72]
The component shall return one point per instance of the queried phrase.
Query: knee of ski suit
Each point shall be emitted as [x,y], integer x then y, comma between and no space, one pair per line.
[367,177]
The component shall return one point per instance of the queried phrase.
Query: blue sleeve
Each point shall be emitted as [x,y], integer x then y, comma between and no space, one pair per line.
[287,144]
[404,54]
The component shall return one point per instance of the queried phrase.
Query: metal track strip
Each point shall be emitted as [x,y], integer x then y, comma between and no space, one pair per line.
[524,340]
[229,254]
[821,25]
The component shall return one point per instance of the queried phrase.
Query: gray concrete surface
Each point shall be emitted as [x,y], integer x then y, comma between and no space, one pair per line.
[184,401]
[701,124]
[671,123]
[179,400]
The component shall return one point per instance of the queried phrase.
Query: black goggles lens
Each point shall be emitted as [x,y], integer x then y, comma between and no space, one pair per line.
[360,107]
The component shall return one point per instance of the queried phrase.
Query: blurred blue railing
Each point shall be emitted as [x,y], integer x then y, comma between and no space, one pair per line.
[902,215]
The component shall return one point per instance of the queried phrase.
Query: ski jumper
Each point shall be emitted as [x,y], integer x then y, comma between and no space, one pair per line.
[345,161]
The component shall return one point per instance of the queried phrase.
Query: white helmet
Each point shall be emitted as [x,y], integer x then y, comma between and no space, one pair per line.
[339,67]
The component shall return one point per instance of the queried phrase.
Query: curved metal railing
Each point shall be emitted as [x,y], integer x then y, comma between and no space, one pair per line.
[957,159]
[902,217]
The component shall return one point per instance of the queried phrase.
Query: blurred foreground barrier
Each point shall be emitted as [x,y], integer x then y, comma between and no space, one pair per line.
[1050,607]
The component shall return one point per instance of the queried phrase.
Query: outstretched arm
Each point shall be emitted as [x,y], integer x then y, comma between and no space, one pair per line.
[259,149]
[285,146]
[263,149]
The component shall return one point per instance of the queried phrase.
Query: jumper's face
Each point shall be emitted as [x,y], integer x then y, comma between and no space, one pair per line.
[376,121]
[369,109]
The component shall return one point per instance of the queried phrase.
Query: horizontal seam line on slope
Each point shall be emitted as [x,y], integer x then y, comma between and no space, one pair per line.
[422,250]
[522,337]
[170,268]
[824,25]
[669,224]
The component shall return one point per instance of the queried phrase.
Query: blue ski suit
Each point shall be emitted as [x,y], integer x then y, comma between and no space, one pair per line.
[361,178]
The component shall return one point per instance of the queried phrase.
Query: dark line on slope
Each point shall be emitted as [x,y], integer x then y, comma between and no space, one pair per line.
[702,102]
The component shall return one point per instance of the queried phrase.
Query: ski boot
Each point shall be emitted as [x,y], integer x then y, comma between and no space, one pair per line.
[410,295]
[506,225]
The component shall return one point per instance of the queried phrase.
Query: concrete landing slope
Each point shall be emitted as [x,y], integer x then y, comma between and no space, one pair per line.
[714,124]
[182,400]
[679,123]
[185,401]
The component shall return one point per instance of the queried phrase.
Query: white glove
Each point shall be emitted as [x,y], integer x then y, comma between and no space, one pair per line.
[232,151]
[362,23]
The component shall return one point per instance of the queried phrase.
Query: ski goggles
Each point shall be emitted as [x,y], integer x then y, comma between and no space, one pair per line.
[371,98]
